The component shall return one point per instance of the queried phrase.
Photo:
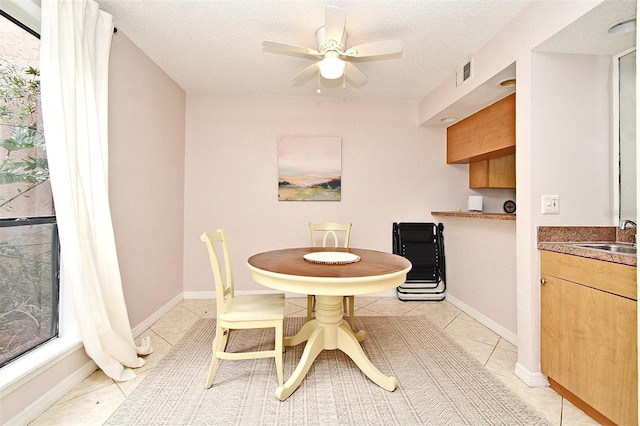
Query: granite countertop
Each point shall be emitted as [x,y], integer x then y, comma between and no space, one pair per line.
[559,239]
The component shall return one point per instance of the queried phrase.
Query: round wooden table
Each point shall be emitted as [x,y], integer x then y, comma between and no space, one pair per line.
[287,270]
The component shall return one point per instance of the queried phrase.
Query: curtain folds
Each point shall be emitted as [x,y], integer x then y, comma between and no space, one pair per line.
[75,47]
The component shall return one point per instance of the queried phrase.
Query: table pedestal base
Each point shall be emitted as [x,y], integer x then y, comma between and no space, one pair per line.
[330,331]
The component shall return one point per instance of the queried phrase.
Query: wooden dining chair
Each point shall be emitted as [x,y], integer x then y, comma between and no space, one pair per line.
[240,312]
[331,234]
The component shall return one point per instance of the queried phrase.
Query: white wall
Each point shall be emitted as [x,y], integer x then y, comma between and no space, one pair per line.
[392,170]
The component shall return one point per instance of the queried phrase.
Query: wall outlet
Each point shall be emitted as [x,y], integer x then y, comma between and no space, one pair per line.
[550,204]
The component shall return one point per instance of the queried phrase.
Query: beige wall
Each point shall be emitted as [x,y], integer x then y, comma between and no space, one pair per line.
[541,161]
[146,127]
[392,170]
[146,177]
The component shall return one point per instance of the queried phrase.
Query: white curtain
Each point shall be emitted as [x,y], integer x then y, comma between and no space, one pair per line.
[74,62]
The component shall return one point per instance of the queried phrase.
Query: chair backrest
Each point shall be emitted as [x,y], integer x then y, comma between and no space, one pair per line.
[339,233]
[423,244]
[217,246]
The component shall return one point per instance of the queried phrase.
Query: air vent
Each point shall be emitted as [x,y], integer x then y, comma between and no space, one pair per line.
[463,73]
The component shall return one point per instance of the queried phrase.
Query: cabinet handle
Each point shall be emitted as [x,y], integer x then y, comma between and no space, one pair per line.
[543,281]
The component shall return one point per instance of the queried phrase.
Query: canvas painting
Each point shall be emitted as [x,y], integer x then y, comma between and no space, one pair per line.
[309,168]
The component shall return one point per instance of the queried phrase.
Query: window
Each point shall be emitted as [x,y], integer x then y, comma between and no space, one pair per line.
[29,249]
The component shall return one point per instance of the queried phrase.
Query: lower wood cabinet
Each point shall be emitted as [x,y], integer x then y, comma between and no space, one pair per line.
[588,335]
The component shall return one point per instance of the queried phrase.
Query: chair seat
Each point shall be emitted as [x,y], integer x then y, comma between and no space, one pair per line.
[250,307]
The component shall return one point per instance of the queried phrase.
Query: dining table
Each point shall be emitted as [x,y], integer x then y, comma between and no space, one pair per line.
[329,273]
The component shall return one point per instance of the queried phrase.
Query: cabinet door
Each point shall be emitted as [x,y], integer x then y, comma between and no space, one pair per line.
[588,346]
[494,173]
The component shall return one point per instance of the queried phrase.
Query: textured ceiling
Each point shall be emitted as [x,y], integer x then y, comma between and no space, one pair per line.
[216,46]
[589,35]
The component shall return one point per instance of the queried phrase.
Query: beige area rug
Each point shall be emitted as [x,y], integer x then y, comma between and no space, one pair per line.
[439,383]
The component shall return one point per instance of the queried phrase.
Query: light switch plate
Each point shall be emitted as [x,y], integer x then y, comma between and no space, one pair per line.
[550,204]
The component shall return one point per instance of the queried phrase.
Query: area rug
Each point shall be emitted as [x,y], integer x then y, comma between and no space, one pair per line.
[438,383]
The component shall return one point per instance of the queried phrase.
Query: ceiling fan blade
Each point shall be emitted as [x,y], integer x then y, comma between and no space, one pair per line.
[334,22]
[354,74]
[375,49]
[291,48]
[306,73]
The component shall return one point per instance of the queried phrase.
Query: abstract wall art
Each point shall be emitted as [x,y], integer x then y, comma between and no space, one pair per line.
[309,168]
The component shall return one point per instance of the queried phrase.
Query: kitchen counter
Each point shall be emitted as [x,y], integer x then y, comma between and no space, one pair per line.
[477,215]
[559,239]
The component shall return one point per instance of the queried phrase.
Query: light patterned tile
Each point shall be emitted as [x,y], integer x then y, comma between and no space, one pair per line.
[364,312]
[440,313]
[205,308]
[471,329]
[362,301]
[543,399]
[573,416]
[503,362]
[174,338]
[388,306]
[95,381]
[128,387]
[177,320]
[206,311]
[294,310]
[160,348]
[301,302]
[480,351]
[466,317]
[93,408]
[507,346]
[196,304]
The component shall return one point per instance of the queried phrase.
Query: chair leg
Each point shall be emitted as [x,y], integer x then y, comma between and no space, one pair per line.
[218,345]
[279,348]
[311,306]
[227,335]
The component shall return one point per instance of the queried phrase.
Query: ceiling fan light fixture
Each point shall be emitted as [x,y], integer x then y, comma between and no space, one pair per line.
[331,67]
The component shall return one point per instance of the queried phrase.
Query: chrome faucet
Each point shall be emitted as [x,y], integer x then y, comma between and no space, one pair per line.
[624,224]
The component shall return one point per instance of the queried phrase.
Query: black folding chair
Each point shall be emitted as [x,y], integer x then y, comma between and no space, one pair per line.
[422,243]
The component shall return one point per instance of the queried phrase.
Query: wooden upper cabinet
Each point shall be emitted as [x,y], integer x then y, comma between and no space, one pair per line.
[493,173]
[489,133]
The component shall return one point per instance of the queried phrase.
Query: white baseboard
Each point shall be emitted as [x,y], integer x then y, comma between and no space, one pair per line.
[43,403]
[533,379]
[144,325]
[200,294]
[487,322]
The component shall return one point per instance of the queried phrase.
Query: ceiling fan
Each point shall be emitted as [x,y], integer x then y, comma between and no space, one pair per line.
[332,54]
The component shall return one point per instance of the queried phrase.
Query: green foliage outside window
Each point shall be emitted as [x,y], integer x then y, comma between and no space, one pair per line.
[28,246]
[20,130]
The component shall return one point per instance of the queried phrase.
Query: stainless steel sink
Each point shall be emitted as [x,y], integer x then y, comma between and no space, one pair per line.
[620,248]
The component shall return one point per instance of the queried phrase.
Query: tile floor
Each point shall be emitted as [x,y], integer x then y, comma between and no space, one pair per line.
[97,397]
